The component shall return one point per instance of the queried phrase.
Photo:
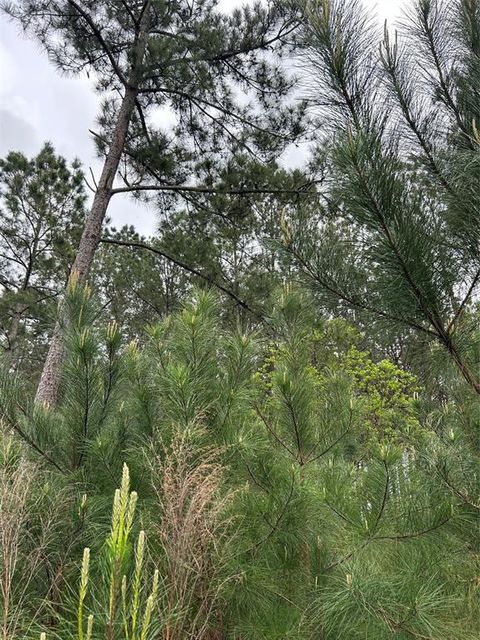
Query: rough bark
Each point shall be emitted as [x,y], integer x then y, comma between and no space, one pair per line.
[48,387]
[47,391]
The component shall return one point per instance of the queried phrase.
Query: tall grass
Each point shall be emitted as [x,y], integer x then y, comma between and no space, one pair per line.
[195,532]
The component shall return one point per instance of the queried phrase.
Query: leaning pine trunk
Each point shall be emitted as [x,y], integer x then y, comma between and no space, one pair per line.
[47,391]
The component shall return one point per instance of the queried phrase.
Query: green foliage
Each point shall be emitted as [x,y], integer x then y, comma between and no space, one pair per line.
[384,395]
[136,286]
[272,480]
[229,234]
[315,477]
[218,72]
[388,396]
[124,597]
[42,204]
[397,242]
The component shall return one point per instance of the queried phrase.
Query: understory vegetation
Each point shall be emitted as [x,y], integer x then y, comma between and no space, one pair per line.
[285,486]
[263,421]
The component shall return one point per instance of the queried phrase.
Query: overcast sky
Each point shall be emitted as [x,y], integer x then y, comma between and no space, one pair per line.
[38,104]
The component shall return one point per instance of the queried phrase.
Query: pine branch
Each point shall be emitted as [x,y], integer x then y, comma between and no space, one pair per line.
[415,534]
[356,303]
[431,316]
[275,526]
[291,410]
[98,35]
[305,189]
[192,270]
[329,448]
[212,191]
[458,492]
[398,538]
[465,301]
[286,30]
[424,13]
[384,497]
[196,99]
[273,432]
[29,441]
[388,55]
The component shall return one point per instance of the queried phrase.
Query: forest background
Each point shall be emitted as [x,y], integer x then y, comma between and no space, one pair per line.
[257,417]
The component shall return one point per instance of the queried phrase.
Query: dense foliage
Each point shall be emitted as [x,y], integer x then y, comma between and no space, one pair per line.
[266,423]
[287,487]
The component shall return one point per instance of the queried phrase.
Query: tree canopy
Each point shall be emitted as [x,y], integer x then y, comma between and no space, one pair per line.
[262,421]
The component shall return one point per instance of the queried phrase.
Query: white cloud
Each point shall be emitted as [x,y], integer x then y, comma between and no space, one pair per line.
[37,104]
[16,133]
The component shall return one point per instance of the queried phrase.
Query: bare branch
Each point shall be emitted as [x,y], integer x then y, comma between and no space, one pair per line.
[186,267]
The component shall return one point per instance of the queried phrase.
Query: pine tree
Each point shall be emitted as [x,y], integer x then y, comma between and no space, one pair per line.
[136,286]
[289,486]
[42,204]
[399,241]
[232,240]
[191,59]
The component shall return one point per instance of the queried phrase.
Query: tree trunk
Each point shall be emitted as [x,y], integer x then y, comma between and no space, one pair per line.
[467,374]
[14,329]
[47,391]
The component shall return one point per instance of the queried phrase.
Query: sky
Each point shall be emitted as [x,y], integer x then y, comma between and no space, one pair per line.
[38,104]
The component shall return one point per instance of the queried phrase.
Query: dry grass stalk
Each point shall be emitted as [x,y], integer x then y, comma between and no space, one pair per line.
[24,550]
[194,531]
[15,489]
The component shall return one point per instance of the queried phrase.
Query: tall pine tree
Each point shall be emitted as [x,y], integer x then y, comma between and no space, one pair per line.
[42,208]
[218,74]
